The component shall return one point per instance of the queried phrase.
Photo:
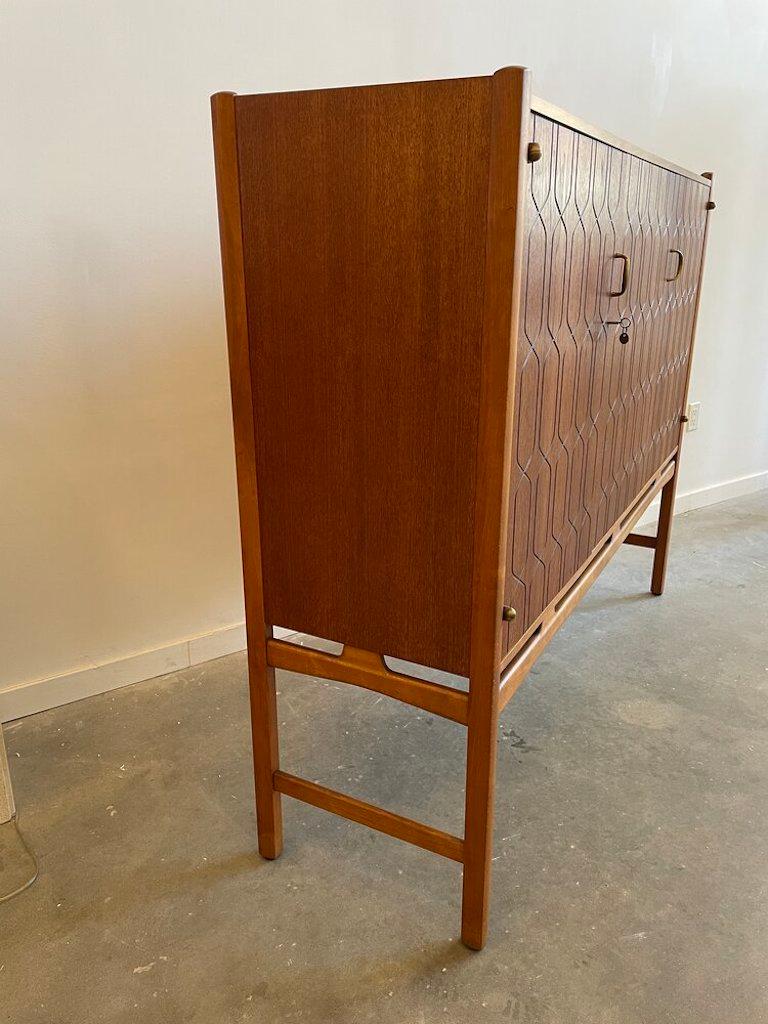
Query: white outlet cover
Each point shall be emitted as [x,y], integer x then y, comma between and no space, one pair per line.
[694,411]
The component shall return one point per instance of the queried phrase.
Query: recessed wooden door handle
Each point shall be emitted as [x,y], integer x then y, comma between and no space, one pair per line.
[679,270]
[624,274]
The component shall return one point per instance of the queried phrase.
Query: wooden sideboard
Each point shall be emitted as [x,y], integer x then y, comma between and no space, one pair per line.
[460,325]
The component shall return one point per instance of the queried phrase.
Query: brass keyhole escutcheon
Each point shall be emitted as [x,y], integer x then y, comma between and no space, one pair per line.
[624,324]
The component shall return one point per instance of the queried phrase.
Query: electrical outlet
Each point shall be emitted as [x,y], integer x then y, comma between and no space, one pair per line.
[694,410]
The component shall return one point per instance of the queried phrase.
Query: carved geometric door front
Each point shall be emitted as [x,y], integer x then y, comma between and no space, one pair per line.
[594,417]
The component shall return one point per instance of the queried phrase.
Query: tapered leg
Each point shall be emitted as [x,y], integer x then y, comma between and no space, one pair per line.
[663,534]
[478,817]
[269,814]
[261,678]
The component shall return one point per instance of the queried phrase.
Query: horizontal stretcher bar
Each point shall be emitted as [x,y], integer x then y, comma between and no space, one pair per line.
[519,666]
[409,831]
[640,541]
[363,668]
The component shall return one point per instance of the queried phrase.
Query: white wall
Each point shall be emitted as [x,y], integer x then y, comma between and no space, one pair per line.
[118,509]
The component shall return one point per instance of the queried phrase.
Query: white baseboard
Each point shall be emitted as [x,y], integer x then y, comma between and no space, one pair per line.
[704,496]
[41,694]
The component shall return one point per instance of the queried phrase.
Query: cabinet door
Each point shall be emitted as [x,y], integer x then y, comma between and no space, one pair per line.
[565,372]
[594,418]
[665,233]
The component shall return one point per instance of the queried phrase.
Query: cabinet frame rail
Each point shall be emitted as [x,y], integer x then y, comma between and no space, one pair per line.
[396,825]
[639,540]
[366,669]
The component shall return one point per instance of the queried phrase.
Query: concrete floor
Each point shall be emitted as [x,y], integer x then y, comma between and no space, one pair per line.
[631,876]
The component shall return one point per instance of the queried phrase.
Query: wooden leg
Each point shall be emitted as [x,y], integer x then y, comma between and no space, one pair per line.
[261,677]
[478,817]
[269,814]
[7,807]
[663,535]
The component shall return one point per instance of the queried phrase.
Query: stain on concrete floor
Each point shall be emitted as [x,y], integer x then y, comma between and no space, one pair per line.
[631,877]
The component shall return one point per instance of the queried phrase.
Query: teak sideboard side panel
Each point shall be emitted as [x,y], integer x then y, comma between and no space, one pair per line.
[364,229]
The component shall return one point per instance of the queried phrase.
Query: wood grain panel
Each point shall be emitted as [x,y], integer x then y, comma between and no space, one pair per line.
[594,419]
[364,222]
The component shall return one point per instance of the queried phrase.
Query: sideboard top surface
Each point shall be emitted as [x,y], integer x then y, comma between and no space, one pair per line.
[553,113]
[545,109]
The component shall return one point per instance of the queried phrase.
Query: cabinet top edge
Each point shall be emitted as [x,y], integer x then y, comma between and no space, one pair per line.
[553,113]
[538,106]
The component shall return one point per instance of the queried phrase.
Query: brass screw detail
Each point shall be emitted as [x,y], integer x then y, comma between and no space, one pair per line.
[508,614]
[534,152]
